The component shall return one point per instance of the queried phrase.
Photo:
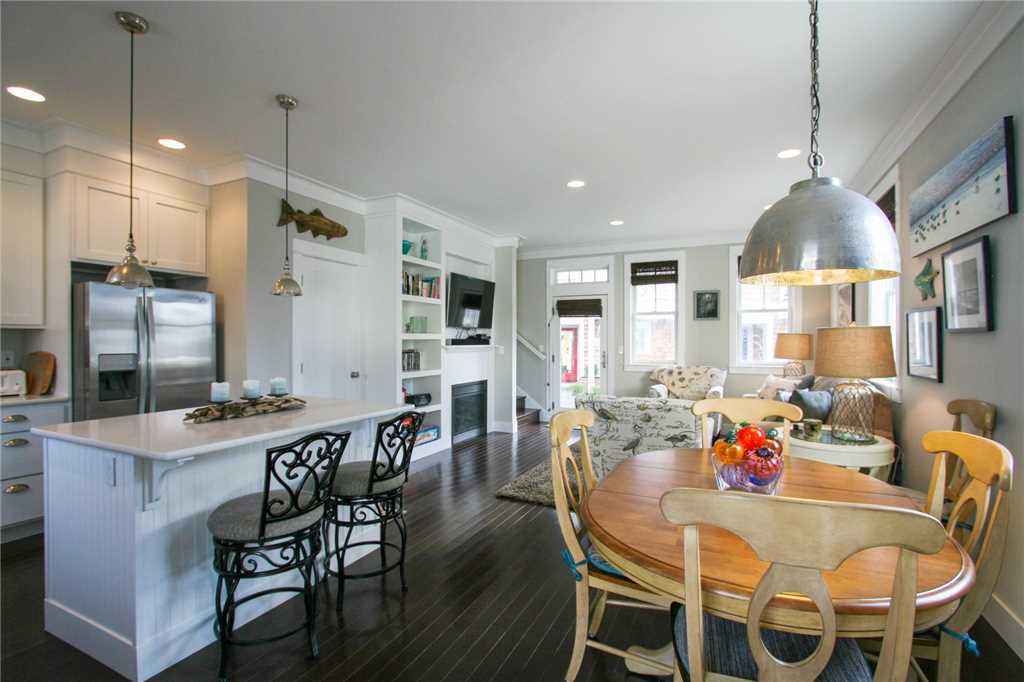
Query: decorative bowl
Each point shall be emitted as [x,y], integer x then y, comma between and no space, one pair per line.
[406,247]
[749,460]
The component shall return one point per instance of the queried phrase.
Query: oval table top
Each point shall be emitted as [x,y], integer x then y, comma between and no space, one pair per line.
[623,517]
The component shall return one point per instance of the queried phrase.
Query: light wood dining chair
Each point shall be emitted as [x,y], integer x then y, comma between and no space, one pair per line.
[573,479]
[753,410]
[799,539]
[979,521]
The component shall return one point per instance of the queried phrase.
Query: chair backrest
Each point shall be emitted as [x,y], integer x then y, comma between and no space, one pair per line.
[304,469]
[753,410]
[989,468]
[982,416]
[800,539]
[392,451]
[572,478]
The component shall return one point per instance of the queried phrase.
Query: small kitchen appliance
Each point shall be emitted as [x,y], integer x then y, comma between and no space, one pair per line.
[12,382]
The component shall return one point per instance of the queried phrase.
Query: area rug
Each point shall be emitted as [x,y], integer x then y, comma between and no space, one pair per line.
[534,487]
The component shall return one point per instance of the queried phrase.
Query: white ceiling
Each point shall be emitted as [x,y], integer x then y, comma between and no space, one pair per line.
[672,113]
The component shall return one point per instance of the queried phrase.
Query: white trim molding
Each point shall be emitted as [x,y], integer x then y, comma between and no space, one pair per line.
[987,29]
[709,238]
[892,388]
[627,308]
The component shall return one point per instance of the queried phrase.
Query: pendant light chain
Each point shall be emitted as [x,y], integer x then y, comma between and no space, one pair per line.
[131,140]
[286,112]
[814,159]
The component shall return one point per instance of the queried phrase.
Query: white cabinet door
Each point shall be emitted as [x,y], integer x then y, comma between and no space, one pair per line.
[176,235]
[22,260]
[101,221]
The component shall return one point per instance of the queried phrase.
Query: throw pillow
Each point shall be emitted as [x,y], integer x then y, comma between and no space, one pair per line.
[773,384]
[815,404]
[806,382]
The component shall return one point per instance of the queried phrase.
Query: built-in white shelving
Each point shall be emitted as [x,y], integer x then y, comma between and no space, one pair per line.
[420,373]
[413,260]
[421,337]
[420,299]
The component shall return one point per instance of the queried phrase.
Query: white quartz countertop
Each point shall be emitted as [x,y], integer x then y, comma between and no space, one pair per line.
[165,436]
[24,400]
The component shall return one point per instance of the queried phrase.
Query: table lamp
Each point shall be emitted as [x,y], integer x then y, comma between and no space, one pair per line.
[794,347]
[854,353]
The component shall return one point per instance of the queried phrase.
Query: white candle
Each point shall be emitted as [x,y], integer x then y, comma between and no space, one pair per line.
[278,386]
[251,388]
[220,392]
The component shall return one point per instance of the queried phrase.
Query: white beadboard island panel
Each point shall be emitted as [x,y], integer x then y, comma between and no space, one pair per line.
[129,581]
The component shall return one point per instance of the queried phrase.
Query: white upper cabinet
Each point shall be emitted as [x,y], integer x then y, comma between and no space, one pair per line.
[176,238]
[22,259]
[170,234]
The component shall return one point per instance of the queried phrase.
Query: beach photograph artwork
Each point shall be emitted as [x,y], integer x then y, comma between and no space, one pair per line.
[975,188]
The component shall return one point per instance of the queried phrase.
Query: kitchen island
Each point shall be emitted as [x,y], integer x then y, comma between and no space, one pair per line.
[129,577]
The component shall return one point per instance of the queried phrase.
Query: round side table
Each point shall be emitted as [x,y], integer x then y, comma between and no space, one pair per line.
[877,457]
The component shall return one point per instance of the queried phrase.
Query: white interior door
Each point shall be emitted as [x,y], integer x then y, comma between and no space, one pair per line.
[327,328]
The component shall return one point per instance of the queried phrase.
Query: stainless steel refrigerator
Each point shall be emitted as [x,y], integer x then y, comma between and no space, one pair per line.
[141,350]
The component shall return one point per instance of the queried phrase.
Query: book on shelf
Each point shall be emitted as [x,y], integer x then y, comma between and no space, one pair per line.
[420,285]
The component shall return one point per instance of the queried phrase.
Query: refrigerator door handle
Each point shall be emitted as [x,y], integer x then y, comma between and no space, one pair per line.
[150,342]
[142,336]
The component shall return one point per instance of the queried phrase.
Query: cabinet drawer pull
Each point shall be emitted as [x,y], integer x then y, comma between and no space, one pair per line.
[12,418]
[16,488]
[16,442]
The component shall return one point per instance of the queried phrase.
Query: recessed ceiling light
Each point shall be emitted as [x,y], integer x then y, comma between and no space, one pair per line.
[788,153]
[616,223]
[25,93]
[767,206]
[575,184]
[171,143]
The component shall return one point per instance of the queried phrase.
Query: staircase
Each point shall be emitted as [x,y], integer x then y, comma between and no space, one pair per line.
[526,415]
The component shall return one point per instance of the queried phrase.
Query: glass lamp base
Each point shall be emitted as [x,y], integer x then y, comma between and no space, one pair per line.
[853,413]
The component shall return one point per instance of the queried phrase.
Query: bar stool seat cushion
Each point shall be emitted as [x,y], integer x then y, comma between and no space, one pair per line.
[353,478]
[238,520]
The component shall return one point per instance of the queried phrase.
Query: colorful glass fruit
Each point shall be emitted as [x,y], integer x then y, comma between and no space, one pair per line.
[751,437]
[748,458]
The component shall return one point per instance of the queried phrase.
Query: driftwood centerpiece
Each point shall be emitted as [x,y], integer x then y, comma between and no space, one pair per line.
[243,408]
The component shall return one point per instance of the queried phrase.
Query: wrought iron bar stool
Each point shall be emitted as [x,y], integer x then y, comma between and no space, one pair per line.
[271,532]
[369,493]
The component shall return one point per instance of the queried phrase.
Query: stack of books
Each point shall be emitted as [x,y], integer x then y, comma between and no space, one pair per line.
[418,285]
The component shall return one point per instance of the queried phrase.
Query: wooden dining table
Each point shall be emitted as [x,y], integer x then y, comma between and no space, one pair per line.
[623,518]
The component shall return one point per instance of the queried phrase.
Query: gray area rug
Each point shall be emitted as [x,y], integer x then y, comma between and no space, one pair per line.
[534,487]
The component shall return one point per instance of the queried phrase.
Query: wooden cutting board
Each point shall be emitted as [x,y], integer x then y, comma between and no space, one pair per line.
[40,368]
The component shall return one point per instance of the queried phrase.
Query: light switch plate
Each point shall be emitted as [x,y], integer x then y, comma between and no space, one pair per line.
[7,359]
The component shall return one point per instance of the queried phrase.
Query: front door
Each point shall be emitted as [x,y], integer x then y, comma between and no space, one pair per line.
[327,329]
[580,367]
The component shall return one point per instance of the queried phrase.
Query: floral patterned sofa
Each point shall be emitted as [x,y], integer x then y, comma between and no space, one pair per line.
[624,427]
[688,383]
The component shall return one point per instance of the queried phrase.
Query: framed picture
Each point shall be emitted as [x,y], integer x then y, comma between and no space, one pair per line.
[924,343]
[967,285]
[844,305]
[975,188]
[705,305]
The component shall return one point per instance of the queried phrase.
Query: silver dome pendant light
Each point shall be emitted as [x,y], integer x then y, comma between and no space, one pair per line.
[129,273]
[285,284]
[821,232]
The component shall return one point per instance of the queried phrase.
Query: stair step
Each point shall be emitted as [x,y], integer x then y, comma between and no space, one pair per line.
[528,416]
[520,403]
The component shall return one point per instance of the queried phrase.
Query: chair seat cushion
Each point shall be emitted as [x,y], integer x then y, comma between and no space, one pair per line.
[239,519]
[353,478]
[726,651]
[599,563]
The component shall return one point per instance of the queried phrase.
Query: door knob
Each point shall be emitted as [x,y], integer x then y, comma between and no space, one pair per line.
[354,374]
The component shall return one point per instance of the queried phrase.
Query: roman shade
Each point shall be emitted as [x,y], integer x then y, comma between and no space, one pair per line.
[578,307]
[654,272]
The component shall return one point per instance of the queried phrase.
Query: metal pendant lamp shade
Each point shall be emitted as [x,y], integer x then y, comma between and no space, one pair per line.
[821,232]
[285,284]
[130,273]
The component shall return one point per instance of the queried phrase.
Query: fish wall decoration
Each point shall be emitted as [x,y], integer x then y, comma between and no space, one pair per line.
[314,222]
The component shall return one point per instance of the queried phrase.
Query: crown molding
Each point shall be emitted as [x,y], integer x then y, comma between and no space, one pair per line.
[23,137]
[513,240]
[986,30]
[725,237]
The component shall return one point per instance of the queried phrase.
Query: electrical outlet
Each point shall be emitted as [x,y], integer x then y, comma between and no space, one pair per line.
[7,359]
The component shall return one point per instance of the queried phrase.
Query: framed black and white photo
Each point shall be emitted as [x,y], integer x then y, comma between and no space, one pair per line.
[967,284]
[705,305]
[924,343]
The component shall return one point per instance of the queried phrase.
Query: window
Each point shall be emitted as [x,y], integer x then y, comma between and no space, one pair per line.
[884,294]
[653,334]
[758,313]
[581,276]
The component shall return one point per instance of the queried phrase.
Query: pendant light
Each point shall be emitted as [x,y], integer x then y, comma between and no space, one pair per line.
[129,273]
[285,284]
[821,233]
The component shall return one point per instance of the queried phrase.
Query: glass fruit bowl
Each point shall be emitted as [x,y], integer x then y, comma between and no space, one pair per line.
[748,459]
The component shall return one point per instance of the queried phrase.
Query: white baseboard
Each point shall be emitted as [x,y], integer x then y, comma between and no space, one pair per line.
[505,427]
[1008,624]
[111,648]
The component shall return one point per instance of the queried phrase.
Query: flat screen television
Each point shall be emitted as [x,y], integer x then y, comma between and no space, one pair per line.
[470,302]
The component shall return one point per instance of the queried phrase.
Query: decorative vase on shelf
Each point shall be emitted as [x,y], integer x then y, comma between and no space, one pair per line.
[424,253]
[748,459]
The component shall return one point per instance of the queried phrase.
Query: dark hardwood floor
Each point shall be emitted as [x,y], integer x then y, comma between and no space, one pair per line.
[489,599]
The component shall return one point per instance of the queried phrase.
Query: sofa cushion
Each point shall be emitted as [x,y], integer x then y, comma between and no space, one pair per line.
[806,382]
[689,383]
[773,384]
[815,404]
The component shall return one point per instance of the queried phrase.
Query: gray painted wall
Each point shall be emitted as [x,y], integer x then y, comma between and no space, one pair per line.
[503,332]
[987,366]
[706,341]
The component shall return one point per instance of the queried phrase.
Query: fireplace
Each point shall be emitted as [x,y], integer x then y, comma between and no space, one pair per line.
[469,410]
